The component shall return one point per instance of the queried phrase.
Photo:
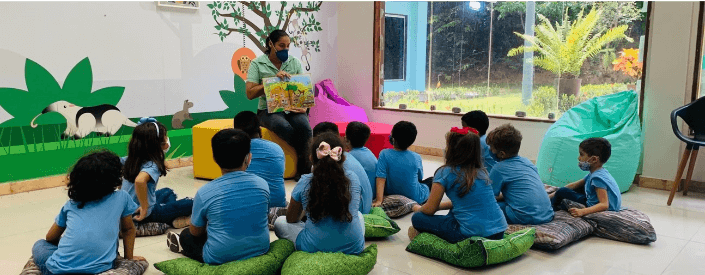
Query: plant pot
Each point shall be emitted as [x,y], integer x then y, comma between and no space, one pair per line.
[381,103]
[569,86]
[456,110]
[402,106]
[551,116]
[520,114]
[433,107]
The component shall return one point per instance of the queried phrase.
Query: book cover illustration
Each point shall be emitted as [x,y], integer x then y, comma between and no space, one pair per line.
[282,95]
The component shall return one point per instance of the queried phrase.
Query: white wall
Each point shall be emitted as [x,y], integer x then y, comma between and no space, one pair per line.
[668,75]
[161,55]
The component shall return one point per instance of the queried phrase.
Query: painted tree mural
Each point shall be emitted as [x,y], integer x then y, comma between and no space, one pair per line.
[231,17]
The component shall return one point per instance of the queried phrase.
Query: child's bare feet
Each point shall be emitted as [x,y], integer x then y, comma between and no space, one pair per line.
[412,233]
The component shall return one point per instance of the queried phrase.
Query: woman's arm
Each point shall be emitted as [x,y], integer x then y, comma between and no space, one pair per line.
[434,199]
[380,192]
[141,191]
[54,234]
[254,90]
[294,211]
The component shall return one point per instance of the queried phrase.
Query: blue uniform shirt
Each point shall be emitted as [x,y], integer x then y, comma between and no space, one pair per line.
[524,193]
[150,168]
[404,172]
[487,159]
[268,163]
[369,162]
[602,179]
[351,164]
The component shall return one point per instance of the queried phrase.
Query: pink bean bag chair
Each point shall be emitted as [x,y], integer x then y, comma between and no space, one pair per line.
[332,107]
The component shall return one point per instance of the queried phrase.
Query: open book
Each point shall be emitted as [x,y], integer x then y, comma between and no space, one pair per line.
[282,95]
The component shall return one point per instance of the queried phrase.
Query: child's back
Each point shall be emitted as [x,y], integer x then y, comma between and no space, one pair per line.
[90,242]
[477,211]
[602,178]
[150,168]
[487,158]
[268,163]
[234,207]
[403,171]
[369,162]
[353,165]
[524,193]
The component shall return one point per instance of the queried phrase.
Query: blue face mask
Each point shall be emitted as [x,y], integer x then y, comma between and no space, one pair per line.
[584,165]
[283,55]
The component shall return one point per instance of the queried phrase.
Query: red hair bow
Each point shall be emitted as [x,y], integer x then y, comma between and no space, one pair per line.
[464,131]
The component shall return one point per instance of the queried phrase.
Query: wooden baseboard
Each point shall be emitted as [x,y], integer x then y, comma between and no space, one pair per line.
[661,184]
[9,188]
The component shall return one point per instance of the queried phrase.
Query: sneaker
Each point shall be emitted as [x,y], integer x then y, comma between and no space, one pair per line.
[181,222]
[172,241]
[412,233]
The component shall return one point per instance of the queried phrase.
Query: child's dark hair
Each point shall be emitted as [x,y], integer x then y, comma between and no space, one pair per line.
[145,145]
[505,138]
[599,147]
[357,133]
[476,119]
[274,37]
[248,122]
[464,158]
[325,126]
[94,176]
[329,194]
[230,148]
[404,134]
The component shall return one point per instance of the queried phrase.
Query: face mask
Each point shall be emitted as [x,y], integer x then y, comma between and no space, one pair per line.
[584,165]
[283,55]
[168,145]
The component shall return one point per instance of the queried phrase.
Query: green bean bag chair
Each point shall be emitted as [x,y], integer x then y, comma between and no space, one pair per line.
[475,251]
[378,225]
[323,263]
[268,263]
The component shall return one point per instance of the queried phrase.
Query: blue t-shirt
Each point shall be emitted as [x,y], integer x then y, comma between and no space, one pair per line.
[234,209]
[90,242]
[327,234]
[404,172]
[351,164]
[518,180]
[150,168]
[602,179]
[487,154]
[477,212]
[369,162]
[268,163]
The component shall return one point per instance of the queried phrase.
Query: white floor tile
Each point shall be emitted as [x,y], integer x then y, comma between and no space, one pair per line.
[688,261]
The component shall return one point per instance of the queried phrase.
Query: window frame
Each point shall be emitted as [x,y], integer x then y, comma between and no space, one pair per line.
[378,41]
[404,48]
[697,72]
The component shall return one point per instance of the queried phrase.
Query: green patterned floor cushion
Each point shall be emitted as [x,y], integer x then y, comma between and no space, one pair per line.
[322,263]
[627,225]
[124,267]
[473,252]
[397,205]
[378,225]
[561,231]
[268,263]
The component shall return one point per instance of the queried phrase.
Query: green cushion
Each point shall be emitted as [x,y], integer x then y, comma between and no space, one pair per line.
[268,263]
[378,225]
[474,251]
[322,263]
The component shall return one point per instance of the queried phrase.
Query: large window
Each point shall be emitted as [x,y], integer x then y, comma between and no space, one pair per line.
[537,59]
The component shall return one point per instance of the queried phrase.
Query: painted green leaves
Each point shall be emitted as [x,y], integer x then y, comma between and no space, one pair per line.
[43,89]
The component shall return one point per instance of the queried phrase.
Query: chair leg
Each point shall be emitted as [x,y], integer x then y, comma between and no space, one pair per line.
[679,175]
[691,165]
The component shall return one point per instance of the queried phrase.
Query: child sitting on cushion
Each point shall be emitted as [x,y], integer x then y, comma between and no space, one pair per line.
[479,121]
[350,164]
[523,198]
[598,190]
[400,171]
[473,209]
[229,220]
[267,162]
[356,134]
[84,236]
[330,197]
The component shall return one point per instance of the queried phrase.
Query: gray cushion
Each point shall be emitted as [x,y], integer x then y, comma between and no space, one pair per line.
[397,205]
[561,231]
[627,225]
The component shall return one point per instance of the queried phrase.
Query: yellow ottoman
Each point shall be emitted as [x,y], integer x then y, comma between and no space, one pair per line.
[203,164]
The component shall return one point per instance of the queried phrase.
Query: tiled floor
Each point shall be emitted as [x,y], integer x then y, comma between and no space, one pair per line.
[680,248]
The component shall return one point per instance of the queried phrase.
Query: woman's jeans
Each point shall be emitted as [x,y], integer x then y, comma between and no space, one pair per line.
[444,226]
[167,208]
[293,128]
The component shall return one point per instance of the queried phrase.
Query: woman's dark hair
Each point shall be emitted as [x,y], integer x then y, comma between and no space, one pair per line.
[230,148]
[145,145]
[404,134]
[464,158]
[357,133]
[329,193]
[94,176]
[274,38]
[248,122]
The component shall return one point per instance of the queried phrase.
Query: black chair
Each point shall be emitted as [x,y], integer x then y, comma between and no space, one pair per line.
[692,114]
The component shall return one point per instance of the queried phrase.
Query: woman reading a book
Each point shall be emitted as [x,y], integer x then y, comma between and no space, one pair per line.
[291,125]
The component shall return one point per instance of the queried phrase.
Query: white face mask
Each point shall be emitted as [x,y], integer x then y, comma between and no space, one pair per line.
[168,145]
